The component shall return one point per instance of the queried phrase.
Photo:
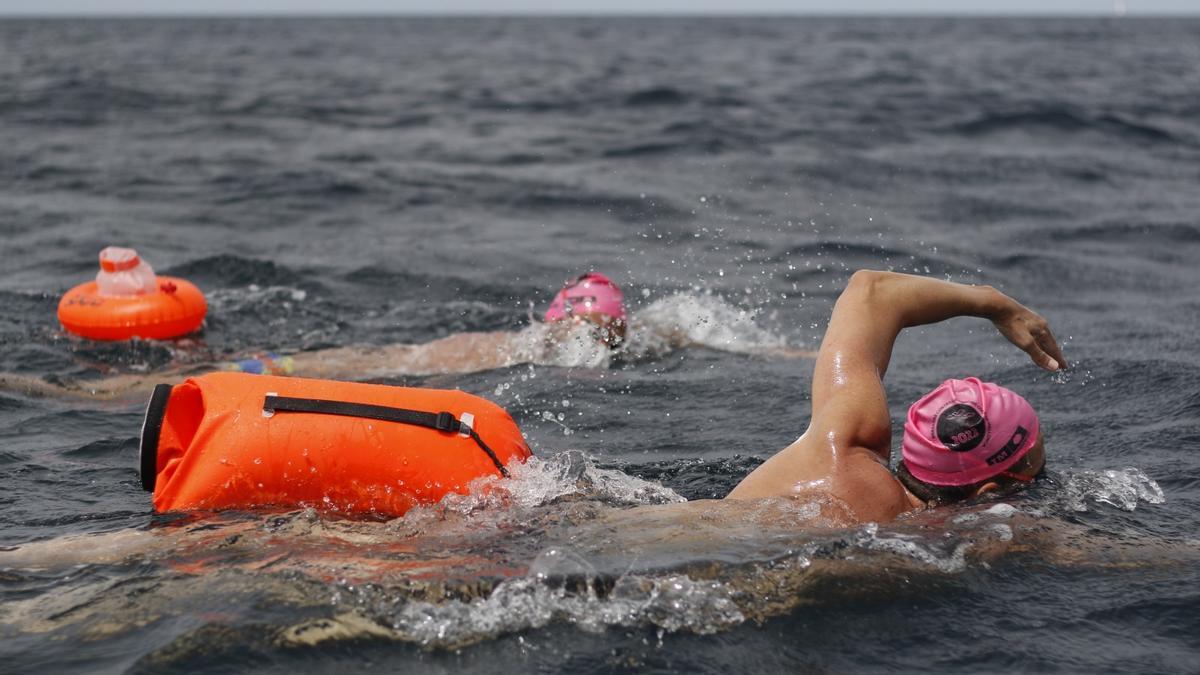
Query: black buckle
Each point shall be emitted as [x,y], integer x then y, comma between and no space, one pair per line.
[445,422]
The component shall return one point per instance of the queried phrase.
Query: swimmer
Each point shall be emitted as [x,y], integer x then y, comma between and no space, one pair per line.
[963,439]
[586,323]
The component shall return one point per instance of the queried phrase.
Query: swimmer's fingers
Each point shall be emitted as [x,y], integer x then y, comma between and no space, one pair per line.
[1050,346]
[1039,343]
[1031,333]
[1041,358]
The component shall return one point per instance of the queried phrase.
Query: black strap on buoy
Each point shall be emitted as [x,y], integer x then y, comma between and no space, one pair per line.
[441,421]
[156,410]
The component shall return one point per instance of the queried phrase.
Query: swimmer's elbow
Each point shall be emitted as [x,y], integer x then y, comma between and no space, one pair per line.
[864,287]
[863,279]
[867,282]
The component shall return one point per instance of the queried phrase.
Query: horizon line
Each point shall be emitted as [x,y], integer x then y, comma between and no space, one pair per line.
[589,14]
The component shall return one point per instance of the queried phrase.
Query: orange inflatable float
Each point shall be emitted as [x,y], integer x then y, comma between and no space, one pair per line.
[236,441]
[128,300]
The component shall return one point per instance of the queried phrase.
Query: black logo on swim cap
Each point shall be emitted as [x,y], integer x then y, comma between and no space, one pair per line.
[583,302]
[961,428]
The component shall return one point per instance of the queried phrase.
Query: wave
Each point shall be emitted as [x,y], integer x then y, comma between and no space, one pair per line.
[698,477]
[628,208]
[231,271]
[312,186]
[646,149]
[814,261]
[436,289]
[1063,119]
[655,96]
[1147,233]
[82,102]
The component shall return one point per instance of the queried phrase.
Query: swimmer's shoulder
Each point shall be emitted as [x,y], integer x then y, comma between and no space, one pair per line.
[817,468]
[868,491]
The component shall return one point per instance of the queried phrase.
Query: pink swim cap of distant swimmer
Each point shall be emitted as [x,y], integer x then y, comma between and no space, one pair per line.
[967,431]
[592,293]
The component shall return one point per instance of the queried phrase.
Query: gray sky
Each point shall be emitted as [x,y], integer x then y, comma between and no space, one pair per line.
[1092,7]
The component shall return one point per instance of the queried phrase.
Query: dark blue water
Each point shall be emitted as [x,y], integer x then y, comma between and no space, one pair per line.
[372,181]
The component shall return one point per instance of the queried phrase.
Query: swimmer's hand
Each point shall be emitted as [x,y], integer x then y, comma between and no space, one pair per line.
[1027,330]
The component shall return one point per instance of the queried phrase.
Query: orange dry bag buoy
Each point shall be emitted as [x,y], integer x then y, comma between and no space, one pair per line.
[128,300]
[235,440]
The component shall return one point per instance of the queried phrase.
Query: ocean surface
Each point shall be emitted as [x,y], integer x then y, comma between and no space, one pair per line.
[368,181]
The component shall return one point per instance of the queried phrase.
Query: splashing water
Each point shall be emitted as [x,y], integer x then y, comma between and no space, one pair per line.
[703,320]
[907,546]
[538,482]
[1124,489]
[564,344]
[674,603]
[665,325]
[254,296]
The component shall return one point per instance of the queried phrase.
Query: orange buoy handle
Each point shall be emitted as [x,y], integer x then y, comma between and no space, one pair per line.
[238,441]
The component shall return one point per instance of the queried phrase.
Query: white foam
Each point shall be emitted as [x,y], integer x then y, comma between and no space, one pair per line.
[697,319]
[674,603]
[563,345]
[538,481]
[233,299]
[1124,489]
[908,546]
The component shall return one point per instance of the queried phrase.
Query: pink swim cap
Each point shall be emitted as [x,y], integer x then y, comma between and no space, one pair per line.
[592,293]
[967,431]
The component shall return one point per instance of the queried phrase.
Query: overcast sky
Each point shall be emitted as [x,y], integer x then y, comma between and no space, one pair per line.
[1092,7]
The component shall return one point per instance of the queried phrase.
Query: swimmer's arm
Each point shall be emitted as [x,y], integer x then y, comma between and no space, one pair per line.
[460,353]
[80,549]
[907,300]
[108,388]
[847,447]
[844,452]
[876,306]
[848,394]
[103,548]
[1066,544]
